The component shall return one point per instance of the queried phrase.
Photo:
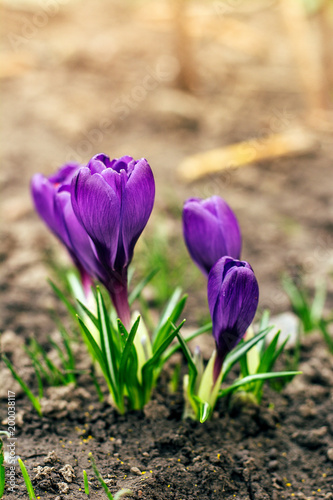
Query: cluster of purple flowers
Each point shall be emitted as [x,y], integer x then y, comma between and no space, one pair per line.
[98,211]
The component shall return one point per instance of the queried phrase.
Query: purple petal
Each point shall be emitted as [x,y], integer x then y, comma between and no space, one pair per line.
[43,196]
[97,207]
[211,231]
[75,236]
[64,175]
[137,205]
[233,295]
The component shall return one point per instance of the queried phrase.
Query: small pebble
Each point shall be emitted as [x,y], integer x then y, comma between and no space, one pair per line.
[273,465]
[330,454]
[136,470]
[273,453]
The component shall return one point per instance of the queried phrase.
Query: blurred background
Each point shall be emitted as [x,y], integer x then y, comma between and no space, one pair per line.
[245,84]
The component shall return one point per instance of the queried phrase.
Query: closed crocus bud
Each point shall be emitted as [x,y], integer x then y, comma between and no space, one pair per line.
[113,200]
[233,295]
[211,231]
[51,196]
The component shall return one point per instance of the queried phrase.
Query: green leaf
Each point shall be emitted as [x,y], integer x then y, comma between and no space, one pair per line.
[98,354]
[123,332]
[35,402]
[328,338]
[165,329]
[109,346]
[140,286]
[126,352]
[100,479]
[239,351]
[176,347]
[37,364]
[70,308]
[299,303]
[90,315]
[205,412]
[27,480]
[318,303]
[187,353]
[244,366]
[85,482]
[263,324]
[168,310]
[2,480]
[155,361]
[254,378]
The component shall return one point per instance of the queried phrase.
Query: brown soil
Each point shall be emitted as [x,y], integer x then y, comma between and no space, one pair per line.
[61,85]
[280,450]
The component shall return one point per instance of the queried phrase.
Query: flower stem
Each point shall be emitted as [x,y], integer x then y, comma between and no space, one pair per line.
[119,298]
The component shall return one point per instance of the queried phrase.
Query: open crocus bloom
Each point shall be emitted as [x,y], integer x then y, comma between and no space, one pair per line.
[113,199]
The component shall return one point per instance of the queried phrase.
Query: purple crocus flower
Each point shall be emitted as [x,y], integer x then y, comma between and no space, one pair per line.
[51,196]
[233,295]
[211,231]
[113,200]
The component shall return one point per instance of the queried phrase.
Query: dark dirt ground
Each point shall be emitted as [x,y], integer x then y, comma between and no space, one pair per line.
[72,87]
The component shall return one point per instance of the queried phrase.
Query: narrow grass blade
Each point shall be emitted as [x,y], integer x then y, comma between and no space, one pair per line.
[255,378]
[176,347]
[241,350]
[2,469]
[96,384]
[31,491]
[328,338]
[298,302]
[85,482]
[168,309]
[164,331]
[99,356]
[155,361]
[99,477]
[109,345]
[90,315]
[140,286]
[70,308]
[157,354]
[126,352]
[318,303]
[35,402]
[187,353]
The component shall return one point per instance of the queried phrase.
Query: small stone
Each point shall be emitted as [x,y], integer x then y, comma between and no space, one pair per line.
[145,454]
[330,454]
[273,465]
[272,453]
[136,470]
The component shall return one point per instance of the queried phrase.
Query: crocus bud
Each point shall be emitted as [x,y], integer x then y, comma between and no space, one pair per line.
[113,200]
[51,196]
[233,295]
[211,231]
